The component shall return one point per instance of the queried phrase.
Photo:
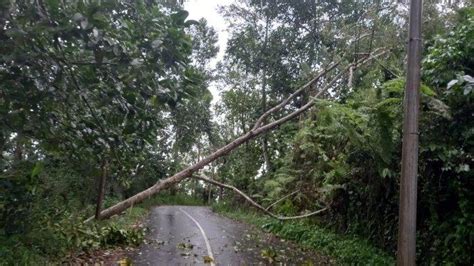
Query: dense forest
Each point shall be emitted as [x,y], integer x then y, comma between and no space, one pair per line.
[101,100]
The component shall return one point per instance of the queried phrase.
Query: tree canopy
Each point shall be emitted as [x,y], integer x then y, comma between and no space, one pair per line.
[106,100]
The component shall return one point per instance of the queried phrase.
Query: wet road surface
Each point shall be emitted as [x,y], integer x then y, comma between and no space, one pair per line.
[185,235]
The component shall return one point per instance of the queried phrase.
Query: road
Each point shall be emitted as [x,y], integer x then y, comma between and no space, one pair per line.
[185,235]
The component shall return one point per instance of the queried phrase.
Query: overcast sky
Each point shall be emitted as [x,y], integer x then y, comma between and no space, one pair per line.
[208,9]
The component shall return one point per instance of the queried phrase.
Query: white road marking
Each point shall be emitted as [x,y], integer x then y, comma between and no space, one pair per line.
[208,245]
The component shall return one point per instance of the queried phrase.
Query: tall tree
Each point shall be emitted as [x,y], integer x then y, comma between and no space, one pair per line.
[86,83]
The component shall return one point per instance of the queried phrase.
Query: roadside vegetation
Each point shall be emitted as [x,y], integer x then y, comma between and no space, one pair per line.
[344,249]
[346,153]
[67,237]
[106,109]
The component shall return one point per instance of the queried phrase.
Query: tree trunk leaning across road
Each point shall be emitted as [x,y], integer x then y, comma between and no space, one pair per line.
[258,129]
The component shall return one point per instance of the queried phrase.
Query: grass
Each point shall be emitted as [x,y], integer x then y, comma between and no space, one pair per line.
[345,249]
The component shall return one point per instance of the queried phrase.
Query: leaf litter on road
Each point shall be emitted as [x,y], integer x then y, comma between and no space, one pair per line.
[208,259]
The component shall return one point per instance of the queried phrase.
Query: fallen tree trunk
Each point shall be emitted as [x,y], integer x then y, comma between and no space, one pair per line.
[257,130]
[255,204]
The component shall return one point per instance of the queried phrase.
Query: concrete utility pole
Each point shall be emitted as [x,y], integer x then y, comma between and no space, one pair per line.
[408,184]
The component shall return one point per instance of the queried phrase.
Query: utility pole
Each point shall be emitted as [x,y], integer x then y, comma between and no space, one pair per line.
[406,254]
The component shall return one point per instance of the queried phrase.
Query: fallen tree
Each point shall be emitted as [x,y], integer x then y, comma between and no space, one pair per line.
[255,204]
[258,129]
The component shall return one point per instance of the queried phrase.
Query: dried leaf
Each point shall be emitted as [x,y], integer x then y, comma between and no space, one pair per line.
[208,259]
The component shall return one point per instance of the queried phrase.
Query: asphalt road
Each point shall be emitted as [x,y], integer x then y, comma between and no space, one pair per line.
[185,235]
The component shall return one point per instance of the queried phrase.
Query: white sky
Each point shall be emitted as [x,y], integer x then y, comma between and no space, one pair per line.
[208,9]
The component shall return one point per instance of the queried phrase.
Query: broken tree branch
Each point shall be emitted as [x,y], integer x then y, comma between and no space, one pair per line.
[255,204]
[311,102]
[293,95]
[187,172]
[302,88]
[351,75]
[282,198]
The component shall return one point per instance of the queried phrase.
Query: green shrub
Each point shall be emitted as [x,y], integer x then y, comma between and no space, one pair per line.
[345,249]
[113,235]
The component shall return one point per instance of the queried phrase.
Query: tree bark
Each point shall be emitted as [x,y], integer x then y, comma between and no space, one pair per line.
[257,130]
[209,195]
[266,154]
[408,184]
[349,79]
[101,189]
[18,153]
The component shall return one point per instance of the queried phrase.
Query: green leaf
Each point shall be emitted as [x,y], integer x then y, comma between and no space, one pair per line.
[37,169]
[452,83]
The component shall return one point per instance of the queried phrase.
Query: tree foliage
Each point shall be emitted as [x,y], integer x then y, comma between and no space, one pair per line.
[85,83]
[122,87]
